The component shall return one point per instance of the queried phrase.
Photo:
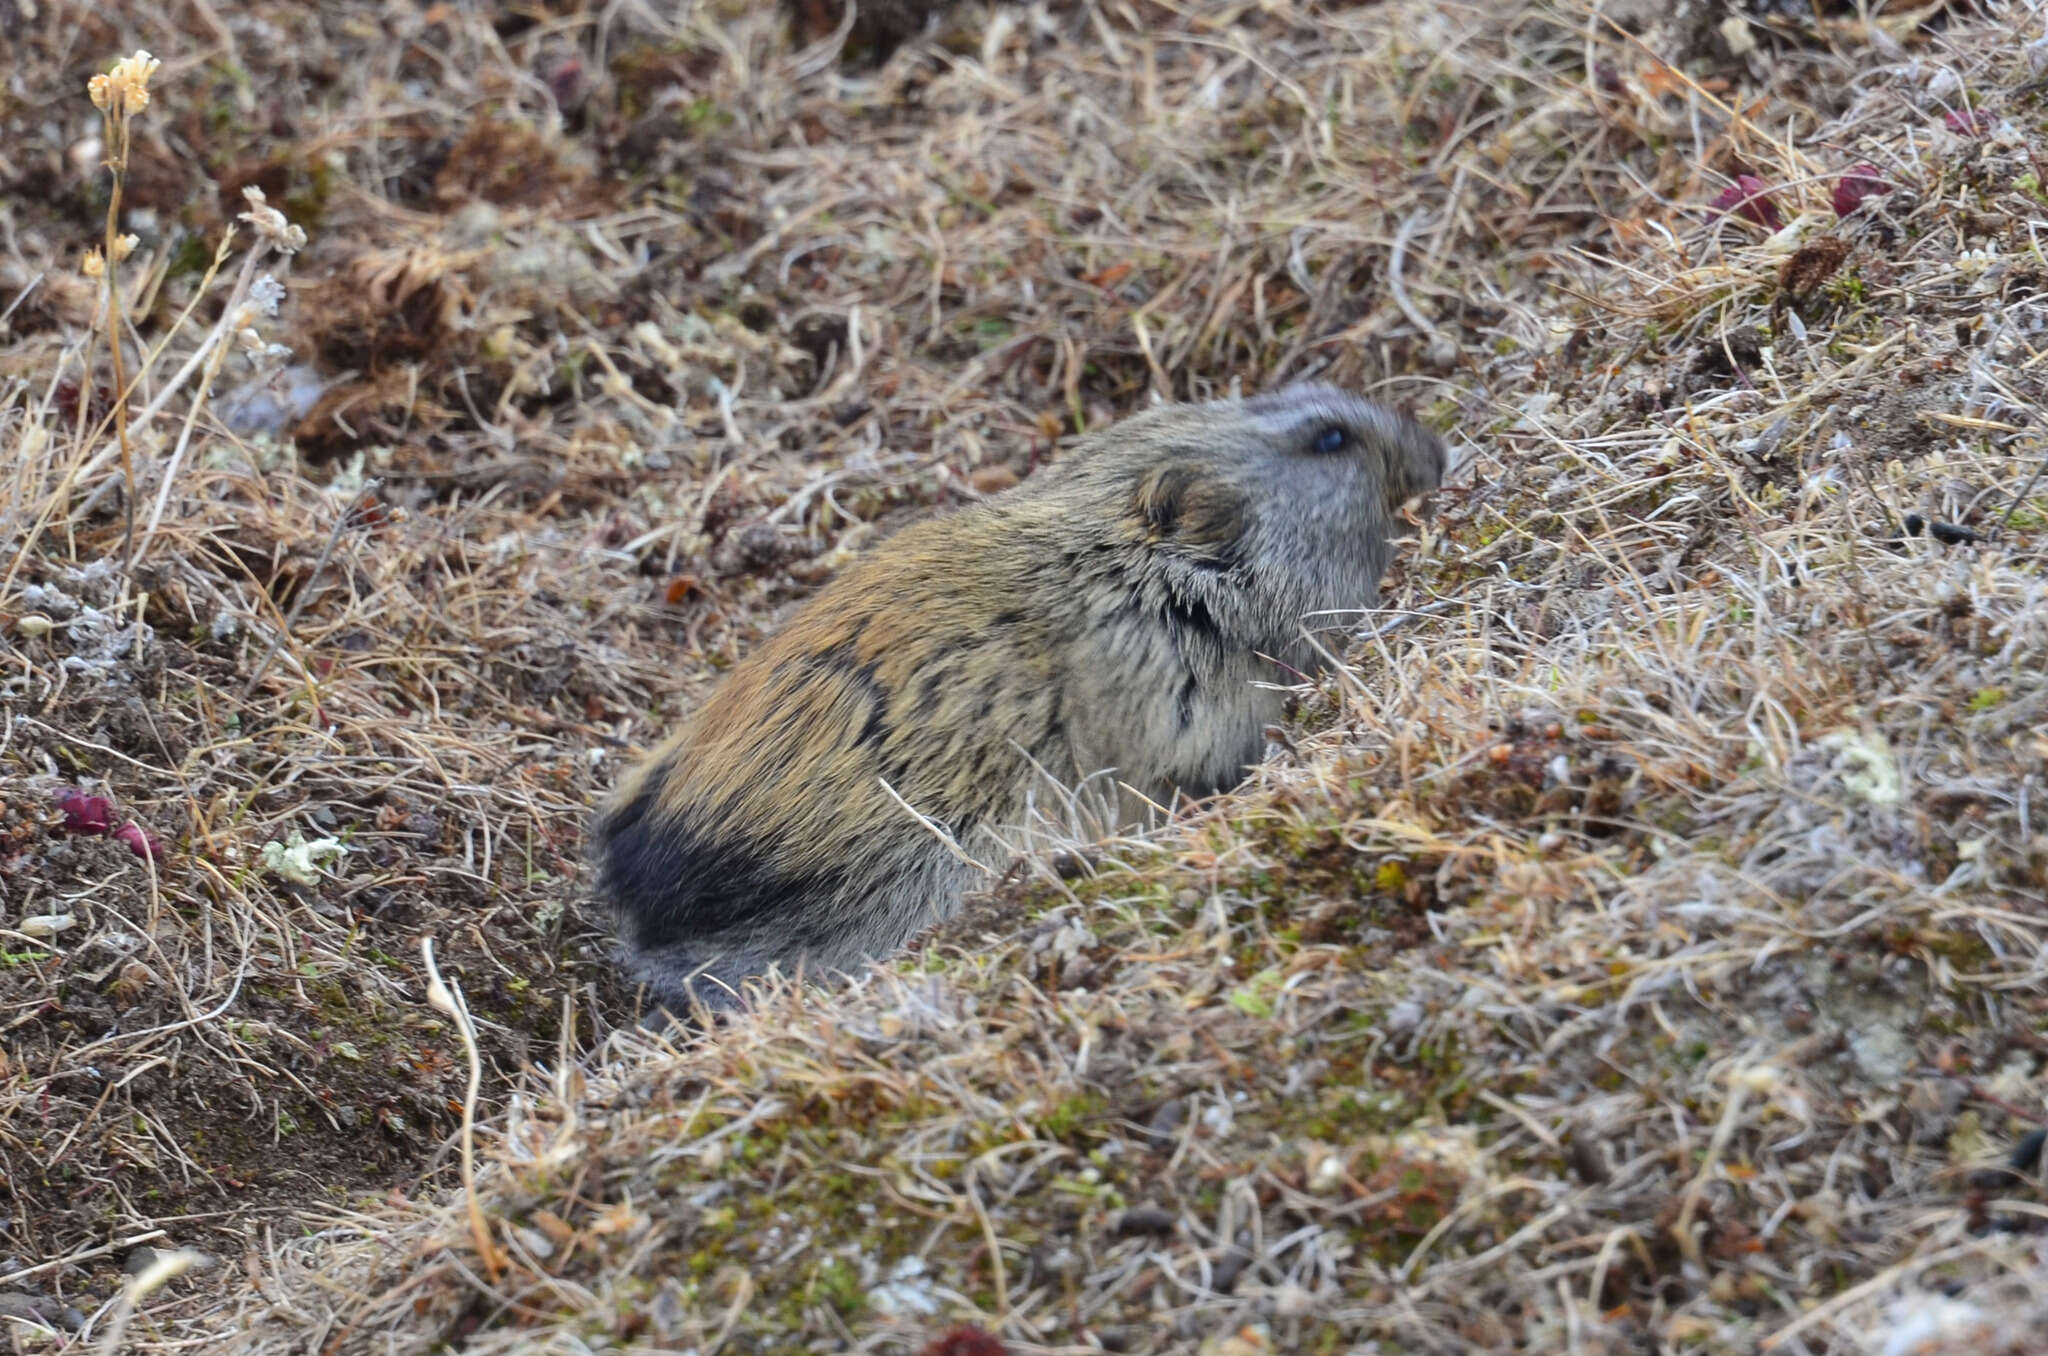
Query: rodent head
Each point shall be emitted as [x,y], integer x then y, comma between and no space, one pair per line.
[1289,495]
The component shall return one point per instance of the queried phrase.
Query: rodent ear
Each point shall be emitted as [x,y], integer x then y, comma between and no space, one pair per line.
[1159,496]
[1199,514]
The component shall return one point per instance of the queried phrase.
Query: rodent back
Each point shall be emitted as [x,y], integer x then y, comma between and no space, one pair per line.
[1119,609]
[1152,575]
[927,664]
[762,828]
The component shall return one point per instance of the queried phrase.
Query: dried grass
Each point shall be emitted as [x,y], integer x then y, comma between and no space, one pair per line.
[1639,946]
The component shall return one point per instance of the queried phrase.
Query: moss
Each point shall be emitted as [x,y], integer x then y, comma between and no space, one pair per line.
[1353,1113]
[1254,998]
[1067,1117]
[838,1284]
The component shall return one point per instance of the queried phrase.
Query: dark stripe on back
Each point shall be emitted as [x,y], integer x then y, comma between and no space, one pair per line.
[842,660]
[671,883]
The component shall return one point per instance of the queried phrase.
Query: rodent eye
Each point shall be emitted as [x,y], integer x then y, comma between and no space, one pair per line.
[1333,439]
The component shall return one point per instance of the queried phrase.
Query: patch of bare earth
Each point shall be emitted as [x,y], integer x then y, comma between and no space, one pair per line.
[1637,946]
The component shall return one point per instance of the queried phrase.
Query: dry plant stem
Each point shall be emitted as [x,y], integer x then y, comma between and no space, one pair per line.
[140,1286]
[201,357]
[448,999]
[216,356]
[118,1245]
[116,125]
[1397,285]
[55,503]
[199,398]
[341,521]
[23,295]
[177,326]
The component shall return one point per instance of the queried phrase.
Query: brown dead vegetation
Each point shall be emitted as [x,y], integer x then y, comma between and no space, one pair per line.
[1637,948]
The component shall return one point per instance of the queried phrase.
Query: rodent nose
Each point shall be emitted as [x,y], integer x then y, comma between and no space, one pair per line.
[1429,460]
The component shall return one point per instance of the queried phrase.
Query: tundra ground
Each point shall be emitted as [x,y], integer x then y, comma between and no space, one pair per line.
[1637,946]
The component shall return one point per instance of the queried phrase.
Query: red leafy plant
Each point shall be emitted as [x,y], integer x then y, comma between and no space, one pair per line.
[1861,182]
[139,841]
[1749,197]
[965,1340]
[95,815]
[86,814]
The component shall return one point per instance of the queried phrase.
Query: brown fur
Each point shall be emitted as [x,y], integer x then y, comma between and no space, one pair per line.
[1119,611]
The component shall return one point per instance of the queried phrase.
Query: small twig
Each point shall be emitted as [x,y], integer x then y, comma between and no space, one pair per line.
[1979,1093]
[20,297]
[217,356]
[743,1294]
[1717,1145]
[450,1001]
[134,1240]
[165,1267]
[1398,287]
[937,830]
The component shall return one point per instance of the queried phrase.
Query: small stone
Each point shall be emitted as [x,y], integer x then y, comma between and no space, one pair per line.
[37,1309]
[45,924]
[1164,1126]
[1229,1268]
[2026,1155]
[1325,1170]
[1586,1159]
[534,1241]
[1071,865]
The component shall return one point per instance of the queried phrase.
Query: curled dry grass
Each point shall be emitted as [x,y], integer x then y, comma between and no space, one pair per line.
[1640,946]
